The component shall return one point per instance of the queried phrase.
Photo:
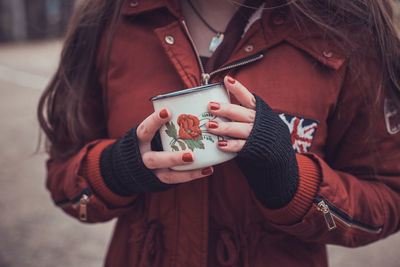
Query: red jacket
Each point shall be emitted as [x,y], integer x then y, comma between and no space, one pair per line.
[346,195]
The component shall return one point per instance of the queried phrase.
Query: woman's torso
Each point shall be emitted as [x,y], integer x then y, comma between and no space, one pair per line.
[215,221]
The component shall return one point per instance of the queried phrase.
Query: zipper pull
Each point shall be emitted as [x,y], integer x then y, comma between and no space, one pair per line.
[205,77]
[330,222]
[82,204]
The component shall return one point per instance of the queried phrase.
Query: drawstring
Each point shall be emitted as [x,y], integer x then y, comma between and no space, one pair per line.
[138,232]
[234,249]
[153,246]
[150,239]
[244,249]
[231,249]
[227,248]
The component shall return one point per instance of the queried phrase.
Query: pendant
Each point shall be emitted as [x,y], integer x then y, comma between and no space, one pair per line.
[215,42]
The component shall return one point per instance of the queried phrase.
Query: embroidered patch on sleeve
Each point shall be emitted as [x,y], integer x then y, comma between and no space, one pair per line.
[392,117]
[302,131]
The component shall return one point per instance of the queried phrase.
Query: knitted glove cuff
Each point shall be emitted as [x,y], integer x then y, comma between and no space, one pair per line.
[268,160]
[123,170]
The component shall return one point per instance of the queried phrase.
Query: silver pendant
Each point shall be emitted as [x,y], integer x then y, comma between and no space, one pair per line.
[215,42]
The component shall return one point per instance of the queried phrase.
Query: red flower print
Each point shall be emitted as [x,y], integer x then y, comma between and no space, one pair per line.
[189,127]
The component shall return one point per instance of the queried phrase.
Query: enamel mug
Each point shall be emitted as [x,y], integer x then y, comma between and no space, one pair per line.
[186,131]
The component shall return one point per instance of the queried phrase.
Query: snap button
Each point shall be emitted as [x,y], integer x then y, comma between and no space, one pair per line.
[249,48]
[278,20]
[327,54]
[169,40]
[134,3]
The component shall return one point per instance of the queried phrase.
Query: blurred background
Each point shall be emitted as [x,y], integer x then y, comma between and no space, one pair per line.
[22,20]
[33,232]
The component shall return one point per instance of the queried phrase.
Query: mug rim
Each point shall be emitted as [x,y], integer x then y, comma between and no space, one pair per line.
[185,91]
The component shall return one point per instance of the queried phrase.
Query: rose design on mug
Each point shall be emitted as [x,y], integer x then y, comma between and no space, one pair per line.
[189,127]
[190,134]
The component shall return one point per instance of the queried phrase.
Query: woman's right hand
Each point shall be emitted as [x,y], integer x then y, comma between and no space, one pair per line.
[159,162]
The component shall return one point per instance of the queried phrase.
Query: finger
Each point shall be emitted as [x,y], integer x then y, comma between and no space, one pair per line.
[174,177]
[231,145]
[231,111]
[148,128]
[240,92]
[166,159]
[232,129]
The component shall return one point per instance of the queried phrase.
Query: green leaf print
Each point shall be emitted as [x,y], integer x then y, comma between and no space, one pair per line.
[171,130]
[189,144]
[182,145]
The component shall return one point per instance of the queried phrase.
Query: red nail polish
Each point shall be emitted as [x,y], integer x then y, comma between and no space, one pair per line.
[207,171]
[230,79]
[187,157]
[214,106]
[212,124]
[163,114]
[222,143]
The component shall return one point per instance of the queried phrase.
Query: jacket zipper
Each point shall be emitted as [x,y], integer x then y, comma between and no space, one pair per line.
[333,215]
[185,27]
[79,202]
[236,64]
[206,77]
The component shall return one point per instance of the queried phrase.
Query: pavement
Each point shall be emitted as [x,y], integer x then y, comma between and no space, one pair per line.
[33,232]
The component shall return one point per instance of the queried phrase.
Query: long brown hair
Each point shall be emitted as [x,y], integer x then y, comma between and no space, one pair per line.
[74,91]
[63,107]
[374,22]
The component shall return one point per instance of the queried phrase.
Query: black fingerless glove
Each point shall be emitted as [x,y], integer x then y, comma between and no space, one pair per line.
[123,170]
[268,160]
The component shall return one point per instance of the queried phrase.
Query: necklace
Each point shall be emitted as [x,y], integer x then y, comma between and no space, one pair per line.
[216,40]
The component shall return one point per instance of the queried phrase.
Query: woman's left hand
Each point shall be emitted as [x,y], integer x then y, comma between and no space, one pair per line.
[242,117]
[265,154]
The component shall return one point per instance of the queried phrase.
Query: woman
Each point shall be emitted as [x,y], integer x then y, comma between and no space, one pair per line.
[316,165]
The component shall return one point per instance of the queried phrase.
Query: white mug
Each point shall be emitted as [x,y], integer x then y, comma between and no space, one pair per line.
[187,131]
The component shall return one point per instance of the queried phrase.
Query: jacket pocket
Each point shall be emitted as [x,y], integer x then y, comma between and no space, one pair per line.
[333,215]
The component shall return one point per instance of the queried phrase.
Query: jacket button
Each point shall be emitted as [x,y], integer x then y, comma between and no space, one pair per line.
[249,48]
[134,3]
[327,54]
[278,20]
[169,40]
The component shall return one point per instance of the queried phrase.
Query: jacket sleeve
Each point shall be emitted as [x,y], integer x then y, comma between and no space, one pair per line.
[76,185]
[351,197]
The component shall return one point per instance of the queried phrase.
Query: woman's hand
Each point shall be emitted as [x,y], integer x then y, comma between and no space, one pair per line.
[264,146]
[159,162]
[242,117]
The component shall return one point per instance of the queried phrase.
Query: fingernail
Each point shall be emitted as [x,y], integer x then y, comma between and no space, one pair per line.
[214,106]
[230,79]
[163,114]
[253,101]
[187,157]
[222,143]
[207,171]
[212,124]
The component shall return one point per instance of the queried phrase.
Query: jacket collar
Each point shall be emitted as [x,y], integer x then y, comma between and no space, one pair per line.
[278,26]
[135,7]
